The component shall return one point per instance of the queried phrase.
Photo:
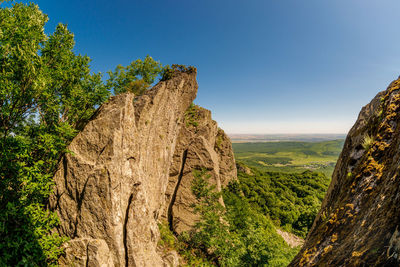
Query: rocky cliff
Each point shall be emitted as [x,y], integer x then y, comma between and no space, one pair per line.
[110,189]
[358,224]
[201,145]
[131,165]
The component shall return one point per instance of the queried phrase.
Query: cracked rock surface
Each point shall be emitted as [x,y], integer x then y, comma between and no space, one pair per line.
[110,190]
[201,145]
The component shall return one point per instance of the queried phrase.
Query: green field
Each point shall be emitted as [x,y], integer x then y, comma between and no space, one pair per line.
[290,156]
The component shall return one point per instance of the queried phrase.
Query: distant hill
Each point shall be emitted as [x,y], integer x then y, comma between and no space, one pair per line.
[242,138]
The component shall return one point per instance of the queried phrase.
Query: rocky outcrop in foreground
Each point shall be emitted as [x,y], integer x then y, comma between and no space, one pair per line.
[358,224]
[110,190]
[201,145]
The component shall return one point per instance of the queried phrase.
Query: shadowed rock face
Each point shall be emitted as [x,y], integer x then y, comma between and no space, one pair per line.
[110,190]
[201,145]
[359,218]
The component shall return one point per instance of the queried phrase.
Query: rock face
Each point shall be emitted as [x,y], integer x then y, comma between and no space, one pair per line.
[110,190]
[358,224]
[201,145]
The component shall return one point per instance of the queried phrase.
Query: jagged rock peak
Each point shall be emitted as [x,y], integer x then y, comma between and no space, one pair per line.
[201,145]
[358,224]
[110,190]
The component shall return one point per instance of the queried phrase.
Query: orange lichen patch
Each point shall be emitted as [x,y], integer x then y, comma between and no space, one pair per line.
[340,216]
[393,86]
[348,213]
[357,253]
[333,218]
[369,188]
[374,166]
[334,237]
[385,126]
[371,167]
[327,249]
[307,254]
[381,145]
[350,205]
[392,108]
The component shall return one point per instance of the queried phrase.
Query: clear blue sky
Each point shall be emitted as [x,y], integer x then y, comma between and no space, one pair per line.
[264,66]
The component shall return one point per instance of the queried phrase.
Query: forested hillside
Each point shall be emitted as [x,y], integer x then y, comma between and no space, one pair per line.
[291,200]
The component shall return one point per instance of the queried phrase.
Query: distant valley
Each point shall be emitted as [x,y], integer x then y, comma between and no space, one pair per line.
[243,138]
[290,156]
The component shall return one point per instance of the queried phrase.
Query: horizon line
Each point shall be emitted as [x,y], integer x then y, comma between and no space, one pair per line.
[286,133]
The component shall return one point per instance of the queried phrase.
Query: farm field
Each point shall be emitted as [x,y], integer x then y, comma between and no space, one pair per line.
[290,156]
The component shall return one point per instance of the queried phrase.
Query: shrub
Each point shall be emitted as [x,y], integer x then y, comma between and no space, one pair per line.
[368,141]
[192,116]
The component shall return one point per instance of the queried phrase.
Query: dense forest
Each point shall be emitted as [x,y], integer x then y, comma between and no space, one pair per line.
[291,200]
[244,232]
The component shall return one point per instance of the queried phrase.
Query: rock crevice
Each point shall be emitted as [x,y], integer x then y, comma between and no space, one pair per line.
[175,191]
[203,146]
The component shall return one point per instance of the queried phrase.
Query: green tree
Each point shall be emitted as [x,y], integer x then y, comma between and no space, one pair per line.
[136,77]
[47,94]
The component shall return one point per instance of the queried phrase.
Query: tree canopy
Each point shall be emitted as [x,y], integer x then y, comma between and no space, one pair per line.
[136,77]
[47,92]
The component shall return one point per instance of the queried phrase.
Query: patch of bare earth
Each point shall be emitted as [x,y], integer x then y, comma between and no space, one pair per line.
[291,239]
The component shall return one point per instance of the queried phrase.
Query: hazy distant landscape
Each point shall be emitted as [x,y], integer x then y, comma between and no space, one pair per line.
[242,138]
[290,156]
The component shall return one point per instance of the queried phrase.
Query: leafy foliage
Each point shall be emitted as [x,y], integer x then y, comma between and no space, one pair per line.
[169,71]
[237,235]
[212,231]
[291,200]
[136,77]
[192,116]
[47,93]
[168,241]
